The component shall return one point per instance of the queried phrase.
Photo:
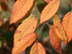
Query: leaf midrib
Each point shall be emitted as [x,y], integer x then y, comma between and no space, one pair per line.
[21,8]
[26,29]
[50,10]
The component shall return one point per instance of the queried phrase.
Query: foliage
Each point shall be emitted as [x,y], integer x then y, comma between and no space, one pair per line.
[30,16]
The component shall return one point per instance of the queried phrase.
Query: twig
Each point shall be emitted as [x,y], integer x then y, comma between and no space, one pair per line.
[8,48]
[49,50]
[39,32]
[70,1]
[41,29]
[48,24]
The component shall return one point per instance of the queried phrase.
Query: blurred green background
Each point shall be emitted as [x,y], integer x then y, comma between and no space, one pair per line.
[7,31]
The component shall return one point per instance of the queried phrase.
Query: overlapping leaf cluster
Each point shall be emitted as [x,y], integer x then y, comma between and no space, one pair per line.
[24,35]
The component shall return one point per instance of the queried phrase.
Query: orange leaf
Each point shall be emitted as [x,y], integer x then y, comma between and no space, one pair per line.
[23,43]
[27,26]
[37,48]
[20,9]
[2,1]
[67,25]
[49,10]
[0,8]
[48,1]
[59,29]
[54,39]
[1,22]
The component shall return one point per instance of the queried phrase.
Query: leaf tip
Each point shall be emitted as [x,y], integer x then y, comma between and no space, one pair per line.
[40,22]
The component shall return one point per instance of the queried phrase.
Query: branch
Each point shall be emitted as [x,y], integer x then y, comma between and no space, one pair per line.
[8,48]
[41,29]
[70,1]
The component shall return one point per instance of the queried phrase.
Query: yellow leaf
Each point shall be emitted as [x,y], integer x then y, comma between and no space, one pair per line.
[20,9]
[23,43]
[67,25]
[59,29]
[49,10]
[27,26]
[21,20]
[37,48]
[55,40]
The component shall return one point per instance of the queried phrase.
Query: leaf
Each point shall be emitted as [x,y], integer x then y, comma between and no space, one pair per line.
[1,22]
[27,26]
[67,25]
[2,1]
[0,8]
[54,39]
[0,43]
[23,43]
[59,29]
[48,1]
[29,15]
[20,9]
[49,10]
[37,48]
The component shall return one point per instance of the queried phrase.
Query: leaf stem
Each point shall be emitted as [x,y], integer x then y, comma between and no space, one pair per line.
[40,31]
[48,24]
[8,48]
[70,1]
